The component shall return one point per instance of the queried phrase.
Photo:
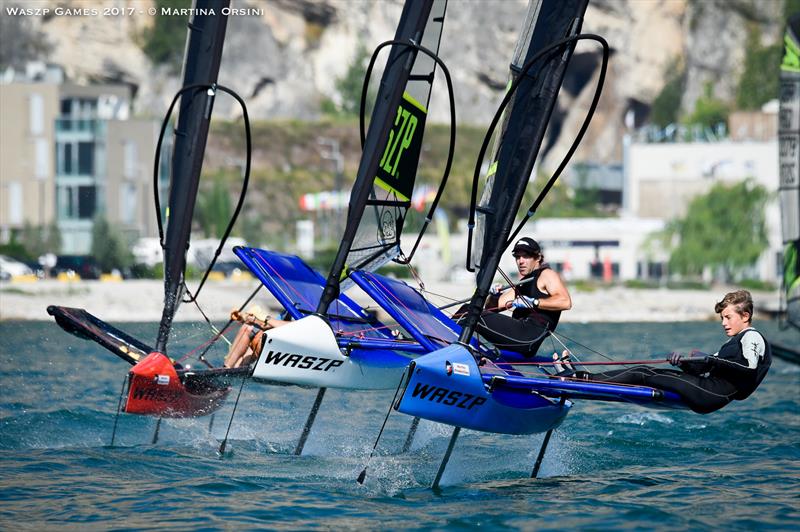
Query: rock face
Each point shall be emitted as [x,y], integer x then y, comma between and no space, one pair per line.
[284,57]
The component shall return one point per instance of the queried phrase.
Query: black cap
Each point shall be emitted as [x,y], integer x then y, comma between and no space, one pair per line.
[527,245]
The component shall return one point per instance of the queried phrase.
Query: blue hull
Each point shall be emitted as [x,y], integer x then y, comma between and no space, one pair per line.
[446,386]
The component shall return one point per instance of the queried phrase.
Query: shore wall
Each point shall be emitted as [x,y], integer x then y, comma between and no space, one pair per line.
[141,301]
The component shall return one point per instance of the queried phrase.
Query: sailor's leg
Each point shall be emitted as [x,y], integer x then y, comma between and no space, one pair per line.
[239,346]
[637,375]
[505,332]
[703,394]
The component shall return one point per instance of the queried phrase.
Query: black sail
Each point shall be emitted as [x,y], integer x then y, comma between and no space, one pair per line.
[522,131]
[200,67]
[386,174]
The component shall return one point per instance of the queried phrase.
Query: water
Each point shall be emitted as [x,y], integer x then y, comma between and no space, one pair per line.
[608,467]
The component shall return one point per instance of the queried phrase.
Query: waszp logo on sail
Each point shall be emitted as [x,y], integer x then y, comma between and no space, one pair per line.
[301,362]
[444,396]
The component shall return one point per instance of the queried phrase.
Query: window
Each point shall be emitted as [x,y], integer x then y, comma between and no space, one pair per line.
[36,114]
[15,203]
[127,203]
[77,202]
[87,201]
[67,160]
[131,157]
[86,158]
[42,163]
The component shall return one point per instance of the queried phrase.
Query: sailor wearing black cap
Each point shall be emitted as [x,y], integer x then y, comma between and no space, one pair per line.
[537,303]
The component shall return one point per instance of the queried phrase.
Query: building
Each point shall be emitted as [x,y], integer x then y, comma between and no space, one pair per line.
[27,163]
[71,154]
[660,180]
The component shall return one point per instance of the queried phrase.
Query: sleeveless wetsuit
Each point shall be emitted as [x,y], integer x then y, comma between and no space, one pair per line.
[709,384]
[525,330]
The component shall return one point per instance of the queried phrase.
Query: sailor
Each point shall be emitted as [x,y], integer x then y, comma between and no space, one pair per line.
[537,302]
[249,341]
[707,383]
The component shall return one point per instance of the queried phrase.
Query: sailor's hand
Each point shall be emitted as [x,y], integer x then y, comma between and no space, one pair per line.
[523,302]
[675,358]
[696,353]
[496,290]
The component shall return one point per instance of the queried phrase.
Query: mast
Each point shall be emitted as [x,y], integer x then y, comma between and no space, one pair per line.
[393,82]
[200,67]
[526,118]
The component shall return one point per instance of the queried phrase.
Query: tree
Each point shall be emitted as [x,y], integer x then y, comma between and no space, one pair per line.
[165,40]
[708,111]
[21,42]
[667,105]
[109,247]
[213,210]
[724,229]
[760,78]
[350,86]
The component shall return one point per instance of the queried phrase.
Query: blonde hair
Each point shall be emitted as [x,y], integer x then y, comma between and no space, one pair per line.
[741,300]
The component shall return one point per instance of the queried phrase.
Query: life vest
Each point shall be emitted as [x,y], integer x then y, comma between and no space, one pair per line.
[549,318]
[745,379]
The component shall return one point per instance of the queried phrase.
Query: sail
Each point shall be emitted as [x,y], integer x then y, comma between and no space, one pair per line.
[789,187]
[522,130]
[381,194]
[201,67]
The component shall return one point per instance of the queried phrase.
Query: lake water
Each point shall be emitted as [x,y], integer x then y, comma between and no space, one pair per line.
[609,466]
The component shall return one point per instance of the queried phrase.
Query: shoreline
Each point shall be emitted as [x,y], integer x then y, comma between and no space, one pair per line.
[141,301]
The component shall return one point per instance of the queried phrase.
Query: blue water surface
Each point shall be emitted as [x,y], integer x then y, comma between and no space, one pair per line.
[609,466]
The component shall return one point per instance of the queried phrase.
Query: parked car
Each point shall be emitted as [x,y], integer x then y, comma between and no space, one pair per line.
[83,265]
[10,268]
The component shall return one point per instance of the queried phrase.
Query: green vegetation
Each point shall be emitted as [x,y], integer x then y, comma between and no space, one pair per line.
[350,87]
[708,110]
[760,78]
[666,107]
[757,284]
[109,247]
[724,229]
[213,209]
[32,241]
[21,41]
[165,41]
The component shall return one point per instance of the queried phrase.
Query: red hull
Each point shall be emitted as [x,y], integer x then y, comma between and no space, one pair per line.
[156,390]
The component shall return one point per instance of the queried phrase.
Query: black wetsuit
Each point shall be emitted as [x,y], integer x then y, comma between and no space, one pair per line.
[705,385]
[525,330]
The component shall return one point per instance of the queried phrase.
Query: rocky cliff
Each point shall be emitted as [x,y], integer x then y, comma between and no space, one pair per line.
[284,56]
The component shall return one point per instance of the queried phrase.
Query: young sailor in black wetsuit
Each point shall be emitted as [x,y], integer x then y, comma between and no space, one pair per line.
[537,303]
[708,383]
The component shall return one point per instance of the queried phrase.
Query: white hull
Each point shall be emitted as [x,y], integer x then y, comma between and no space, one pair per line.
[305,353]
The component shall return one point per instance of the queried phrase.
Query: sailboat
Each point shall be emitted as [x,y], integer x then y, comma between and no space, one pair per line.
[456,385]
[331,342]
[159,385]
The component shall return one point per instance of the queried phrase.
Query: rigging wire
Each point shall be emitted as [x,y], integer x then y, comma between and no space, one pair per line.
[451,148]
[552,49]
[212,88]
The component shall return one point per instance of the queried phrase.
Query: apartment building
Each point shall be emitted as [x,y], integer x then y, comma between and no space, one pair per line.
[73,153]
